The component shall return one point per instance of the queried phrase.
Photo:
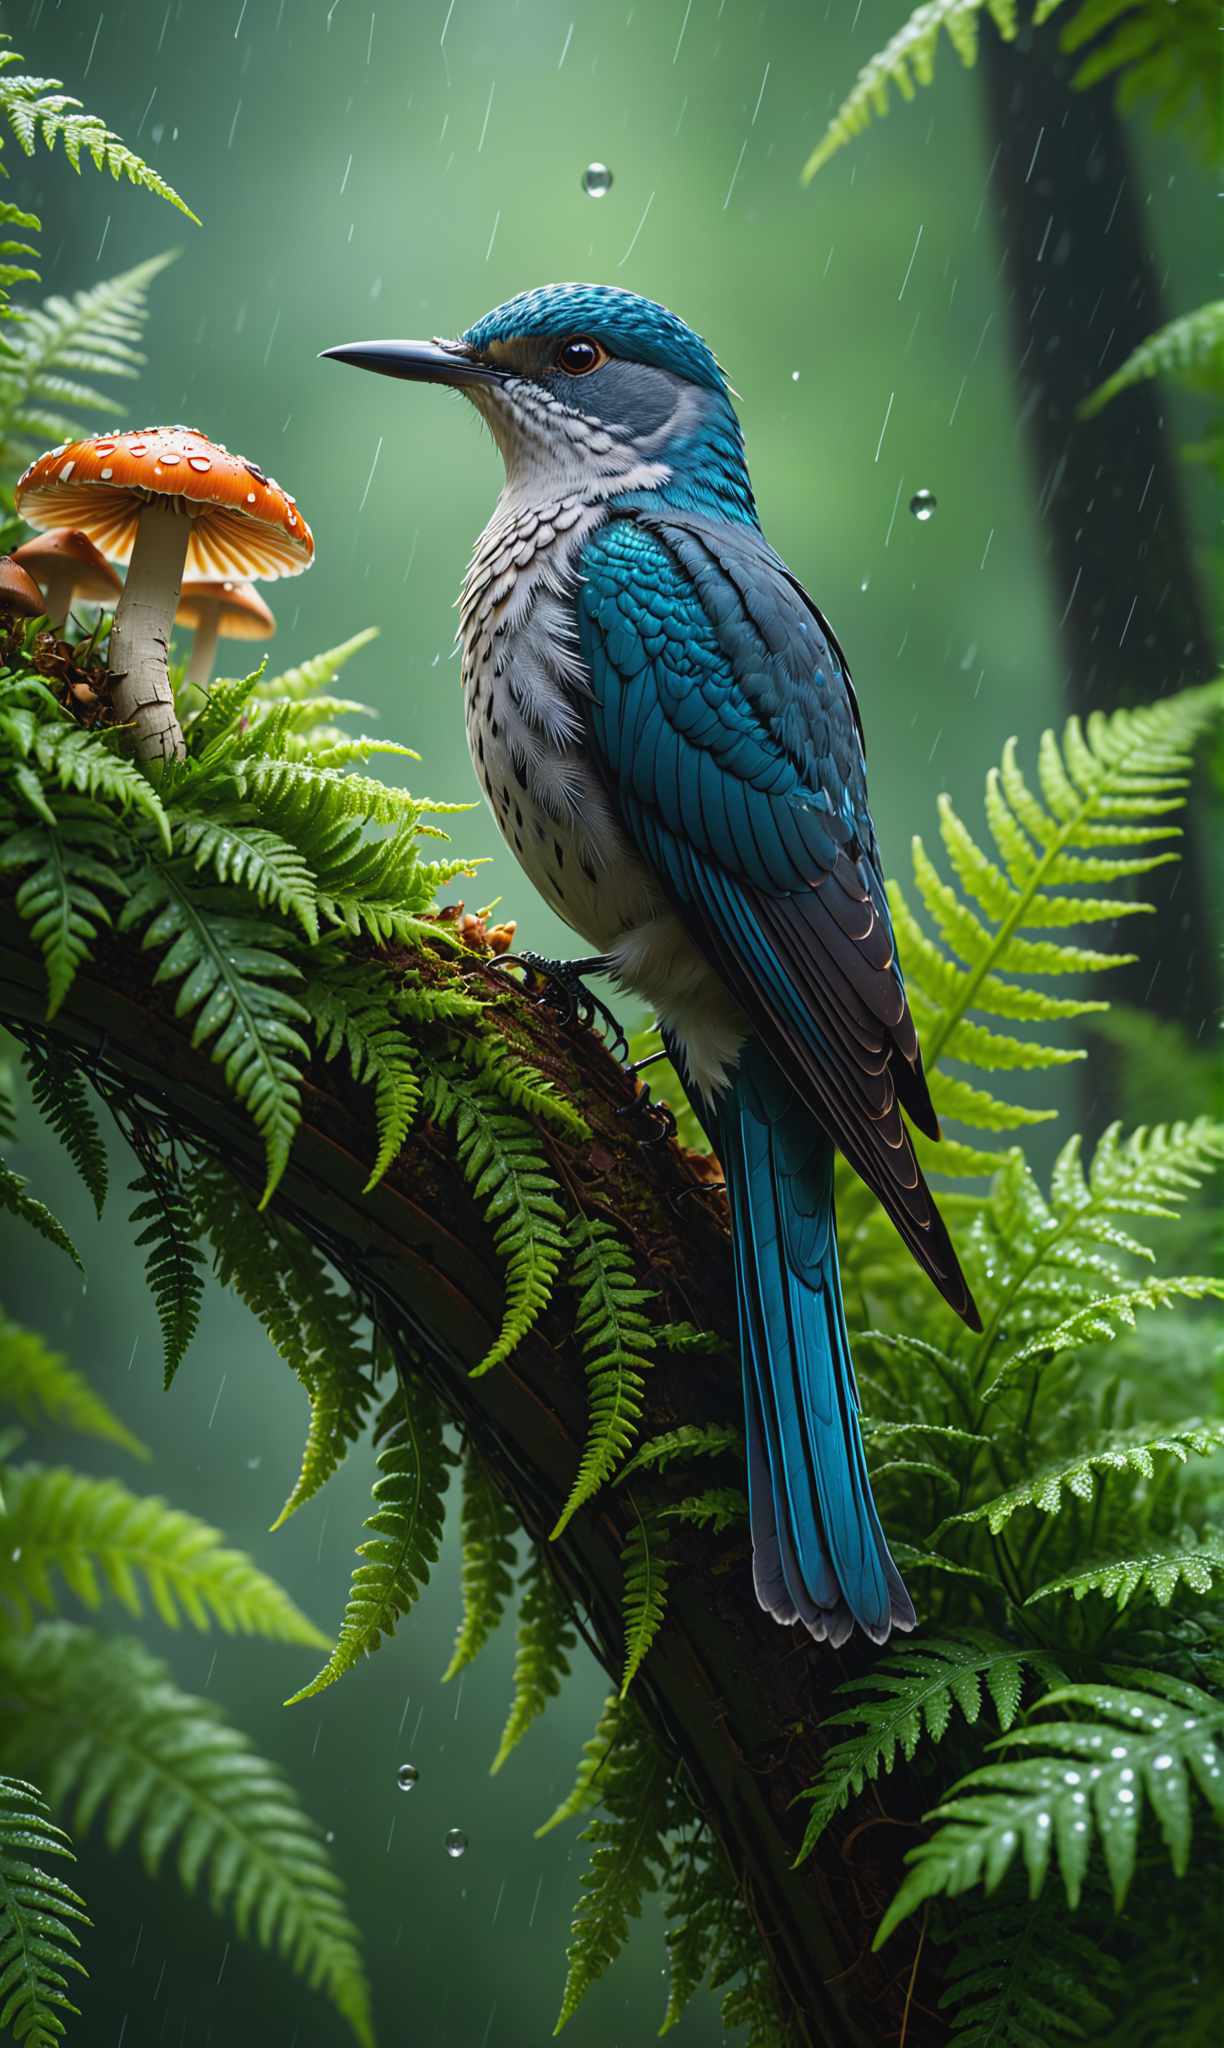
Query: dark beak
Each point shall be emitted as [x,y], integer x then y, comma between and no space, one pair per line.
[421,362]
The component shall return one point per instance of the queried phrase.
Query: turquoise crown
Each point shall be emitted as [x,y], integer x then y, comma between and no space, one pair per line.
[636,329]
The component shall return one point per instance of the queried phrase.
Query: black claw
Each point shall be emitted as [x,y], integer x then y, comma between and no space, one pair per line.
[700,1187]
[667,1122]
[566,991]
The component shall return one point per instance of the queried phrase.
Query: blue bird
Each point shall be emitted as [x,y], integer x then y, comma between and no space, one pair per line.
[667,734]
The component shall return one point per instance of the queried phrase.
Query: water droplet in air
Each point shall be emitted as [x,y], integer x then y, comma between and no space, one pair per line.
[794,376]
[455,1842]
[922,504]
[596,181]
[406,1777]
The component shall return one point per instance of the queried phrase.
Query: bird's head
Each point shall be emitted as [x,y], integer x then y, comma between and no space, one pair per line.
[586,386]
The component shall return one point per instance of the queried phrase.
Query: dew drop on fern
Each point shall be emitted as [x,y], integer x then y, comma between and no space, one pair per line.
[406,1777]
[455,1842]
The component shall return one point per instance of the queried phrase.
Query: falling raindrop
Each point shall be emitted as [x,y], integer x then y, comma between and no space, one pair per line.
[922,504]
[597,181]
[455,1842]
[406,1777]
[794,376]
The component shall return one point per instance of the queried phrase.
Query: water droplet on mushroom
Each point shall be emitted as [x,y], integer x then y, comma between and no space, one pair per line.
[200,462]
[922,504]
[455,1842]
[596,181]
[406,1777]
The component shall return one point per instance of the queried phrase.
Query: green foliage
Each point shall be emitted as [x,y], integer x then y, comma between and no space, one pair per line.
[105,1729]
[60,1522]
[1022,1973]
[1189,351]
[406,1526]
[716,1508]
[1159,1741]
[174,1262]
[644,1568]
[630,1851]
[14,1198]
[42,1386]
[60,1095]
[686,1442]
[96,333]
[616,1715]
[35,1908]
[617,1341]
[544,1636]
[1172,57]
[1158,1571]
[1043,1488]
[32,111]
[710,1937]
[489,1525]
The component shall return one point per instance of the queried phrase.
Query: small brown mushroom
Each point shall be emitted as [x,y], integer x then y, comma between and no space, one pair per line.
[66,565]
[18,591]
[163,500]
[220,610]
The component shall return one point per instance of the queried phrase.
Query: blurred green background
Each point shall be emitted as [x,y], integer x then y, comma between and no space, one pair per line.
[397,171]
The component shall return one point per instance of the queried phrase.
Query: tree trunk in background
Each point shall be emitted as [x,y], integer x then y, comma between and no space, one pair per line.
[1131,620]
[741,1700]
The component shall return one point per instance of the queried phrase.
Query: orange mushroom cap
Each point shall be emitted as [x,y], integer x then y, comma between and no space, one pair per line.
[92,575]
[244,615]
[18,591]
[243,523]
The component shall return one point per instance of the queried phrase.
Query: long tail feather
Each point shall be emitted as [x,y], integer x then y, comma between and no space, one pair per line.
[819,1554]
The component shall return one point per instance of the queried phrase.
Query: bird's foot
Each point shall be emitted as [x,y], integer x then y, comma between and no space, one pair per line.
[565,990]
[642,1101]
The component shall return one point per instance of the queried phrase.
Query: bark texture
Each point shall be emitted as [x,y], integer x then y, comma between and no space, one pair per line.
[740,1700]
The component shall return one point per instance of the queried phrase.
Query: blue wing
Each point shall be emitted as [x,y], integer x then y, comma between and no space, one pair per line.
[723,720]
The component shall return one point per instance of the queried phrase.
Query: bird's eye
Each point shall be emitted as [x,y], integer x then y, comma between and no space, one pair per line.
[579,355]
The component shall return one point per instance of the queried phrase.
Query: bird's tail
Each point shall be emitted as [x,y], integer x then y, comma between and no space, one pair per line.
[819,1554]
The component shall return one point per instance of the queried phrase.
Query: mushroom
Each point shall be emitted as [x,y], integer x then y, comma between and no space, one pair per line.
[163,500]
[66,565]
[220,611]
[19,593]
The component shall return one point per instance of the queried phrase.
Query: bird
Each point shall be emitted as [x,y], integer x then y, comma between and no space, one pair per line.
[666,731]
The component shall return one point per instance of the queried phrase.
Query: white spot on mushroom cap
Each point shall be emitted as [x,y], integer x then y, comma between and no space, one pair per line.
[66,472]
[106,475]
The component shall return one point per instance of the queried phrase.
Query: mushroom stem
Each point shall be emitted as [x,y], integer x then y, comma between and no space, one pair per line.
[204,646]
[140,635]
[59,582]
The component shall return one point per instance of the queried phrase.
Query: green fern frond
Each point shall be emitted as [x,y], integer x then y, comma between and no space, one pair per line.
[173,1263]
[1189,350]
[690,1341]
[921,1681]
[60,1521]
[14,1198]
[615,1717]
[103,1726]
[280,1277]
[1104,796]
[266,866]
[353,1010]
[617,1342]
[489,1526]
[717,1509]
[644,1571]
[31,110]
[501,1161]
[15,273]
[79,762]
[1158,1741]
[67,864]
[35,1908]
[406,1526]
[686,1442]
[1022,1972]
[300,685]
[228,969]
[709,1932]
[630,1852]
[912,46]
[1158,1572]
[42,1386]
[1044,1489]
[96,332]
[522,1088]
[1173,59]
[544,1635]
[60,1095]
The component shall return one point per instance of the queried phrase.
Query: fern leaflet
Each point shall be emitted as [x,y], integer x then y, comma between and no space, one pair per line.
[353,1011]
[1159,1572]
[1044,1489]
[35,1908]
[31,110]
[174,1262]
[686,1442]
[716,1509]
[615,1718]
[1022,1973]
[489,1525]
[644,1597]
[617,1341]
[544,1635]
[59,1093]
[40,1384]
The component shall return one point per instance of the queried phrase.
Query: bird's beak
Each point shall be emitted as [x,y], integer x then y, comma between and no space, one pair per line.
[421,362]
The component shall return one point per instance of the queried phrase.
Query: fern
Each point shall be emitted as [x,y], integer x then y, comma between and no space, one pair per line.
[259,862]
[15,273]
[14,1198]
[1189,350]
[353,1012]
[1043,1488]
[32,111]
[62,1522]
[279,1276]
[67,864]
[105,1728]
[644,1570]
[544,1636]
[303,685]
[710,1935]
[60,1096]
[615,1718]
[921,1681]
[94,332]
[686,1442]
[630,1852]
[1162,1740]
[501,1161]
[41,1385]
[1022,1973]
[173,1266]
[406,1526]
[489,1525]
[35,1909]
[617,1341]
[716,1509]
[1157,1571]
